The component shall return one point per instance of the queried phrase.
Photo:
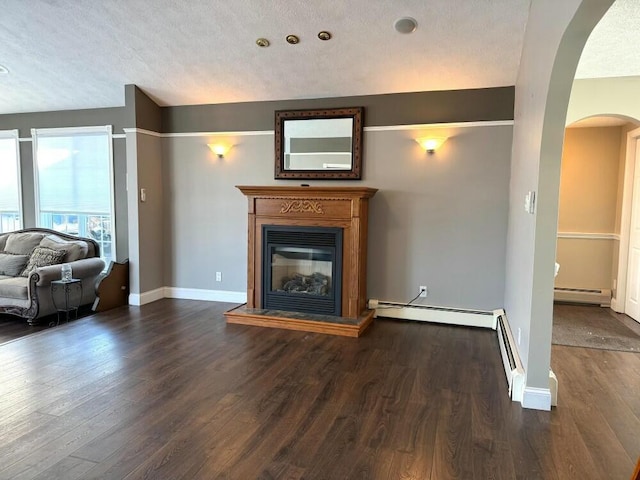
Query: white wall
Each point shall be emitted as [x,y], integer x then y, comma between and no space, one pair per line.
[604,96]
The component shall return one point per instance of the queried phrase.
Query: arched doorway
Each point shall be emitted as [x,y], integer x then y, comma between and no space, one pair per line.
[598,152]
[556,34]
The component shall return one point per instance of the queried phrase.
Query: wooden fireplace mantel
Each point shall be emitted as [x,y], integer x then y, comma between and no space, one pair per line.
[321,206]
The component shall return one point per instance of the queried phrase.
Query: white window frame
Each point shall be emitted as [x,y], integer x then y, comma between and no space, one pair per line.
[15,134]
[68,131]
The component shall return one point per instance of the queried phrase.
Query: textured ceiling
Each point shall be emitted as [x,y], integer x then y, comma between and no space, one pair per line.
[66,54]
[69,54]
[613,48]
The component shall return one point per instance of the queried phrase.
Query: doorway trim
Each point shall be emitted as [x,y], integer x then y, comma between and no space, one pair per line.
[618,302]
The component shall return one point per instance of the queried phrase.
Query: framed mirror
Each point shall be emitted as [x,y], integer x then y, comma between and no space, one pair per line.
[319,144]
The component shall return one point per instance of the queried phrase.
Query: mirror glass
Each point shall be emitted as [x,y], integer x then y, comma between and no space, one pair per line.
[319,143]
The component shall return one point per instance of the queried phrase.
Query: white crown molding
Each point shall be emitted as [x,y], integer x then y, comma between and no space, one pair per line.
[249,133]
[142,131]
[422,126]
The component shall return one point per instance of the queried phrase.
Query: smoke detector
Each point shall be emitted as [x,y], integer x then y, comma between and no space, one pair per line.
[405,25]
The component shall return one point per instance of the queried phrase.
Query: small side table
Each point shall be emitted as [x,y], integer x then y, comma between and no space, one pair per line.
[66,296]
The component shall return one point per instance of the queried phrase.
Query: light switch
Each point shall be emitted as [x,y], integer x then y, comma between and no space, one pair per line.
[530,202]
[143,194]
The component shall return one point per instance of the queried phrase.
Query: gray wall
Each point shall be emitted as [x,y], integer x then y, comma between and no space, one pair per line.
[206,216]
[393,109]
[24,122]
[146,231]
[141,111]
[438,220]
[555,35]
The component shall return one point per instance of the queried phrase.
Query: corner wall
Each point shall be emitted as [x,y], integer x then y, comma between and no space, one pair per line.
[145,199]
[555,35]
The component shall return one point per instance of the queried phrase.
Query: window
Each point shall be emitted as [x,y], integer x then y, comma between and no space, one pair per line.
[10,191]
[74,183]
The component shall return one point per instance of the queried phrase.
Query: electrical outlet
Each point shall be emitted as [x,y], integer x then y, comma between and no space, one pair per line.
[423,291]
[218,276]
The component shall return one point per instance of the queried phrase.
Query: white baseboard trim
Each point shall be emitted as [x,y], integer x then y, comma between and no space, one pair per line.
[617,306]
[187,294]
[139,299]
[553,388]
[537,398]
[208,295]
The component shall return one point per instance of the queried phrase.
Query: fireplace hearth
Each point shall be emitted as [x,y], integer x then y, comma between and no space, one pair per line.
[307,251]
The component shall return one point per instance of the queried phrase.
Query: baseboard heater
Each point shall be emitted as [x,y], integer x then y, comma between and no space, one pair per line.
[583,295]
[496,320]
[428,313]
[513,368]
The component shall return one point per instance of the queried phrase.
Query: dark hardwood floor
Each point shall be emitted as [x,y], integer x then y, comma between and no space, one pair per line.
[12,328]
[169,391]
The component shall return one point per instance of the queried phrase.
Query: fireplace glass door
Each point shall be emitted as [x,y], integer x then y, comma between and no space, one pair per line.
[301,269]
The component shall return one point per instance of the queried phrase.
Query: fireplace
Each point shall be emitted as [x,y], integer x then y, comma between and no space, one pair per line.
[307,259]
[302,269]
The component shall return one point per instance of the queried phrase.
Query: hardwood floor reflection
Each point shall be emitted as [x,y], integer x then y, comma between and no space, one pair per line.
[169,390]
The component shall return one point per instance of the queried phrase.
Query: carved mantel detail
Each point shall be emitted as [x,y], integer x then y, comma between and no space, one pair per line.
[302,206]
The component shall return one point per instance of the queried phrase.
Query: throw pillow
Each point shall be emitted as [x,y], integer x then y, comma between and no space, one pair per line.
[76,249]
[23,243]
[43,257]
[11,264]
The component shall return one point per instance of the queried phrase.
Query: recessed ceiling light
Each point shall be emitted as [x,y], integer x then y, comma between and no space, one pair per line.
[262,42]
[292,39]
[3,70]
[324,35]
[405,25]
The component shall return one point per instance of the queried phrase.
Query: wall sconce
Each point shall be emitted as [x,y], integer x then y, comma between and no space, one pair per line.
[431,144]
[220,149]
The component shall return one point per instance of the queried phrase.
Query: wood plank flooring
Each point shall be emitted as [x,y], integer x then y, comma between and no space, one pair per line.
[169,391]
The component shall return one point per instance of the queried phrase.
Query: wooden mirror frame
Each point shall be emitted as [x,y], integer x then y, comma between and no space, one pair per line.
[356,143]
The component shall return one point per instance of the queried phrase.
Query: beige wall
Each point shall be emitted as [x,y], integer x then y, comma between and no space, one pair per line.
[624,130]
[589,180]
[589,195]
